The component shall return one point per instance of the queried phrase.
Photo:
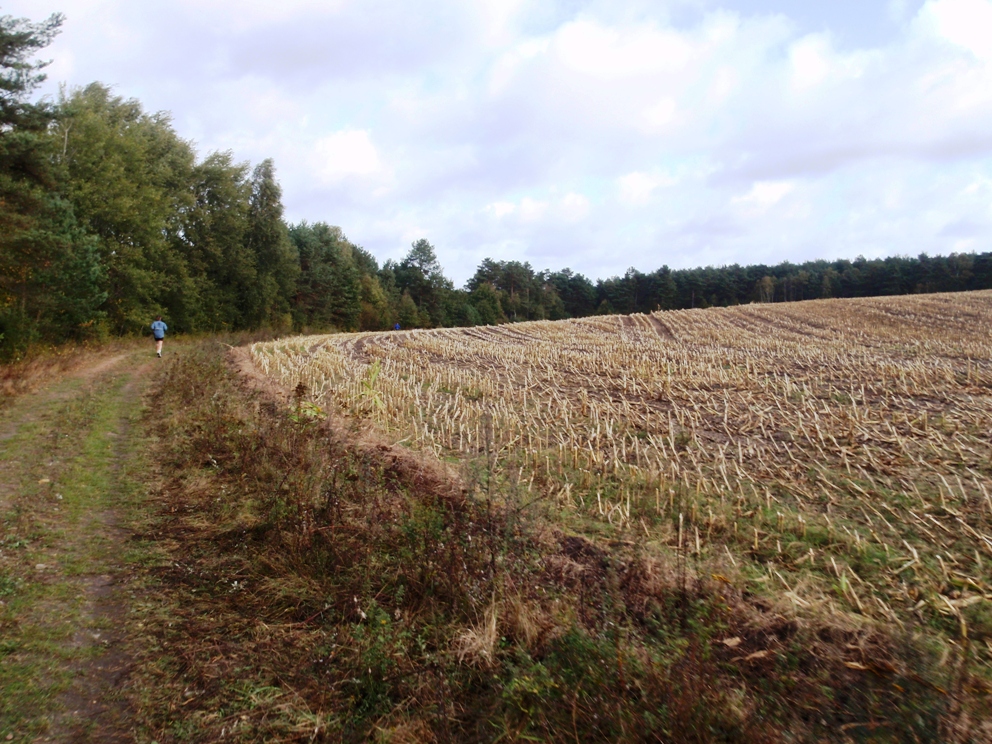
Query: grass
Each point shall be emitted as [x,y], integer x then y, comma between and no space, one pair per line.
[62,463]
[311,584]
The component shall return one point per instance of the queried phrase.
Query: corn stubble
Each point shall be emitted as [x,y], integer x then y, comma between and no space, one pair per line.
[835,451]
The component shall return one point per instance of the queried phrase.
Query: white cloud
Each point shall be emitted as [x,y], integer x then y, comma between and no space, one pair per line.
[898,9]
[724,82]
[601,51]
[574,207]
[510,63]
[345,153]
[763,196]
[639,188]
[498,17]
[810,61]
[660,114]
[981,183]
[501,209]
[532,210]
[966,23]
[517,128]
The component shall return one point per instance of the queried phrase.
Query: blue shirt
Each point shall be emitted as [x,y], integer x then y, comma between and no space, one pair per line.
[159,328]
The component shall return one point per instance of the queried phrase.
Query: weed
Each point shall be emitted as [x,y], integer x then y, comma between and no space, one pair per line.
[10,585]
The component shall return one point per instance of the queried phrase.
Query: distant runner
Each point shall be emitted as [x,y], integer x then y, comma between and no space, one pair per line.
[396,327]
[158,332]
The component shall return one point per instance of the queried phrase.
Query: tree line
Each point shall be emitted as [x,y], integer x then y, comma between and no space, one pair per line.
[109,218]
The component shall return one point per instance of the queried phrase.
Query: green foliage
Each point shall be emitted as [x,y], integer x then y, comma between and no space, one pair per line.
[786,282]
[329,290]
[577,293]
[124,225]
[368,387]
[408,315]
[19,75]
[375,312]
[524,294]
[510,290]
[485,301]
[307,412]
[213,240]
[276,258]
[127,176]
[50,274]
[9,585]
[419,276]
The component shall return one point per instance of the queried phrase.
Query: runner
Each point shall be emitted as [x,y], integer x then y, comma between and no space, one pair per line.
[158,332]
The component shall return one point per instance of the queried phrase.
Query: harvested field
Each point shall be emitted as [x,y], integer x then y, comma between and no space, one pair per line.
[836,451]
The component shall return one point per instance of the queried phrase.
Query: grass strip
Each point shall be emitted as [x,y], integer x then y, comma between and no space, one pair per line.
[64,463]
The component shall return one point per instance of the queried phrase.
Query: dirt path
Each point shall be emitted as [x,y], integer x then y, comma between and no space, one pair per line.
[68,456]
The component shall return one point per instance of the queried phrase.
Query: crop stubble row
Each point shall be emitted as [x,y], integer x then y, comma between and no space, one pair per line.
[839,446]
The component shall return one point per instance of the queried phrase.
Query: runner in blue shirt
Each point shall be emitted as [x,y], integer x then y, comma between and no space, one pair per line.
[158,334]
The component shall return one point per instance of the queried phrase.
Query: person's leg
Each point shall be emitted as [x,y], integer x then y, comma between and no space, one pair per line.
[158,346]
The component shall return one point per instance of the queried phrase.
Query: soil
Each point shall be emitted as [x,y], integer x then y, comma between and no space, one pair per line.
[663,331]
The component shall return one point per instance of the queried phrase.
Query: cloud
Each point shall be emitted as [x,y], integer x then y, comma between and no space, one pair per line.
[660,114]
[811,62]
[763,195]
[639,187]
[898,10]
[582,133]
[574,207]
[345,153]
[501,209]
[965,23]
[965,229]
[599,51]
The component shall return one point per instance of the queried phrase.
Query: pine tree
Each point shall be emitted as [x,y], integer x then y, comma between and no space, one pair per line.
[328,290]
[50,273]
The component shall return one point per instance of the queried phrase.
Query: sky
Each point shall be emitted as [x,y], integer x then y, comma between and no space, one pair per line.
[597,135]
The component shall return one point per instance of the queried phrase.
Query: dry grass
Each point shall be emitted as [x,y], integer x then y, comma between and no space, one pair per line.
[477,643]
[44,365]
[324,587]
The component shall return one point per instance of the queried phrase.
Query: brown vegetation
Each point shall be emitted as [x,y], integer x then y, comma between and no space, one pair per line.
[825,462]
[324,586]
[839,447]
